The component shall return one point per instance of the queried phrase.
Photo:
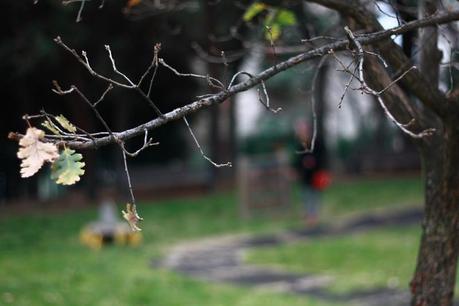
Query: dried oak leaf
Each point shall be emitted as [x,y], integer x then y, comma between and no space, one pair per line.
[34,152]
[132,217]
[67,169]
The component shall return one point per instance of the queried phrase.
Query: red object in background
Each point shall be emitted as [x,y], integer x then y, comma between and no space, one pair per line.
[321,180]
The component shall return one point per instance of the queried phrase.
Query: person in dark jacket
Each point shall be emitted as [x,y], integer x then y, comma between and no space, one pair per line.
[311,171]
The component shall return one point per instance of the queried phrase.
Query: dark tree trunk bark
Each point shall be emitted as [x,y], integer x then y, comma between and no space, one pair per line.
[435,276]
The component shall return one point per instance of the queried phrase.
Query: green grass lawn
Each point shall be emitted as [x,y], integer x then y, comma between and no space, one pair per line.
[379,258]
[43,263]
[354,196]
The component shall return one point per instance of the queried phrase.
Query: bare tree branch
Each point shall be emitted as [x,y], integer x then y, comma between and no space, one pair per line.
[360,55]
[427,93]
[223,95]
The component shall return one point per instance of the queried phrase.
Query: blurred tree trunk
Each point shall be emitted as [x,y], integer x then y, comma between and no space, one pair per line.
[321,106]
[409,37]
[222,136]
[212,69]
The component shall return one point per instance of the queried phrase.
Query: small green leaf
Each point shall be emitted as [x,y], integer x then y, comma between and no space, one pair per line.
[67,169]
[273,32]
[285,18]
[50,127]
[255,9]
[65,123]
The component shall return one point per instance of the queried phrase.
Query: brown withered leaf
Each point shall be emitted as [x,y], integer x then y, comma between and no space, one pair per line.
[34,153]
[131,216]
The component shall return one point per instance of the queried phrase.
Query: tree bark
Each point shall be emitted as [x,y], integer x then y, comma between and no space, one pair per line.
[435,275]
[434,279]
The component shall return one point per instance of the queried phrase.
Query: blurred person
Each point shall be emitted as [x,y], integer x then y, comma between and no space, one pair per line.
[310,170]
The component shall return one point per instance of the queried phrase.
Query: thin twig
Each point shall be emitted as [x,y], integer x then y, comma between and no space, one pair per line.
[396,80]
[112,60]
[346,87]
[359,53]
[228,164]
[313,107]
[102,97]
[383,61]
[131,85]
[154,63]
[73,88]
[86,64]
[147,142]
[266,102]
[210,80]
[126,170]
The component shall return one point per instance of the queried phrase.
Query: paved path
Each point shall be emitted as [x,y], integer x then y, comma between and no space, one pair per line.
[221,260]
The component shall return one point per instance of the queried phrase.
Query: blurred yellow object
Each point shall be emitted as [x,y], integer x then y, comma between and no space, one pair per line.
[95,236]
[92,240]
[109,229]
[120,238]
[135,239]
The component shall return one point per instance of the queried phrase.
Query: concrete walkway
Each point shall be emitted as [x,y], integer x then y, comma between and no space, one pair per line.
[222,260]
